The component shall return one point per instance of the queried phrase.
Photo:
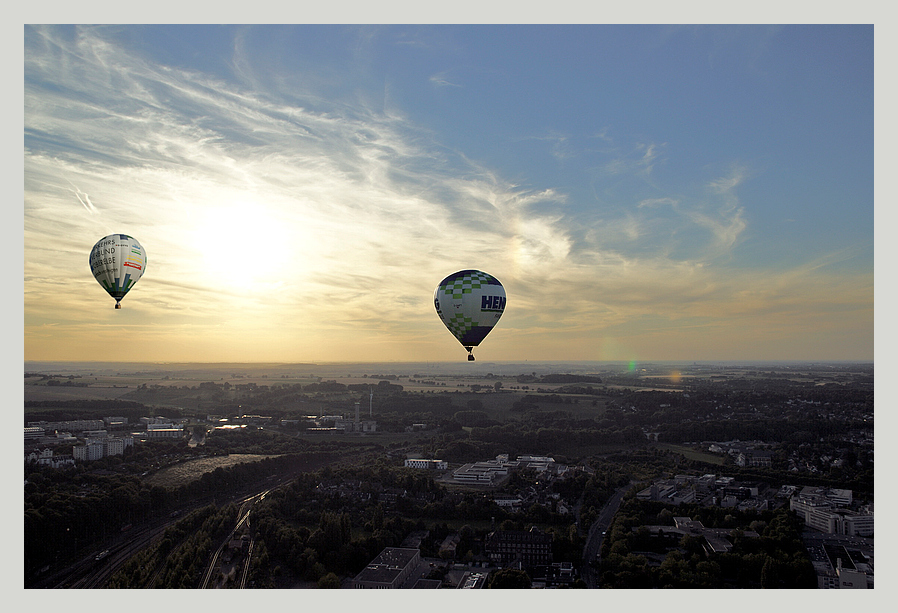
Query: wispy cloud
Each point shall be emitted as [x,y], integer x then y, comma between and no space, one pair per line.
[353,215]
[84,199]
[640,159]
[442,79]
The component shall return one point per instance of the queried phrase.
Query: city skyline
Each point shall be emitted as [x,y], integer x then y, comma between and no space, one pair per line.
[642,192]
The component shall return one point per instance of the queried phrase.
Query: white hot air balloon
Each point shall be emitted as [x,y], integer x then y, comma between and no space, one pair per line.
[469,302]
[117,261]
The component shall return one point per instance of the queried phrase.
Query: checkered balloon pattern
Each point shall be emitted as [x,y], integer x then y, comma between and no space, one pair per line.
[469,302]
[459,286]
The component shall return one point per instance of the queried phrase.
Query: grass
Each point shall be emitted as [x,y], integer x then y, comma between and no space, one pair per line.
[172,477]
[692,454]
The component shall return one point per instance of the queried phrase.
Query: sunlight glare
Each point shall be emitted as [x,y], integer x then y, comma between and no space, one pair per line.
[245,249]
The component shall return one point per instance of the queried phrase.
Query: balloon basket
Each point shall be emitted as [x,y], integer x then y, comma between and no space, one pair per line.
[117,305]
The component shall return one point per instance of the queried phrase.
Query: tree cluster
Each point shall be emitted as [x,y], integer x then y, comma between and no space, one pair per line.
[632,557]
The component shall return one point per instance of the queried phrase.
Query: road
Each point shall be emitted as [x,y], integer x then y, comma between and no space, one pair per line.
[597,534]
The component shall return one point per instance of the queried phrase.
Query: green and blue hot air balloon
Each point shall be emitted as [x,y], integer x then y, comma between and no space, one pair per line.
[469,303]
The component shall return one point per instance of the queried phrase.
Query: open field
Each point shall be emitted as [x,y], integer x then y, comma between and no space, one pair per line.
[175,476]
[692,454]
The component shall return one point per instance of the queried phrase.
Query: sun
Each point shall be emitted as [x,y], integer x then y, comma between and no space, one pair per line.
[245,247]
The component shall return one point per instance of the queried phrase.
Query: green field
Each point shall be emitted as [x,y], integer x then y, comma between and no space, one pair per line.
[692,454]
[177,475]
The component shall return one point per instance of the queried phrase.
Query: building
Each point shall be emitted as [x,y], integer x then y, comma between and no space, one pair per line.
[538,463]
[46,457]
[507,501]
[670,493]
[390,570]
[754,458]
[163,431]
[155,421]
[713,540]
[519,549]
[88,452]
[851,579]
[33,434]
[483,473]
[855,524]
[837,497]
[449,546]
[114,446]
[96,448]
[358,426]
[821,513]
[472,581]
[77,425]
[842,566]
[115,422]
[428,464]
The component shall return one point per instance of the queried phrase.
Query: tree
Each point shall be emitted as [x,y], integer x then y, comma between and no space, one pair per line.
[330,581]
[509,578]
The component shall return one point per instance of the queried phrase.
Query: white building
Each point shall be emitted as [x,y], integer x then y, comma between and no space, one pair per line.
[89,452]
[150,421]
[508,501]
[114,446]
[160,425]
[428,464]
[162,433]
[850,579]
[825,516]
[33,433]
[481,473]
[45,457]
[837,497]
[857,525]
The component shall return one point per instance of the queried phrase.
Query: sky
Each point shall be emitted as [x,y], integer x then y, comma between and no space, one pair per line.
[642,192]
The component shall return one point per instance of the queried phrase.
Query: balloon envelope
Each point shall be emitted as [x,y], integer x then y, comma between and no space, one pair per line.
[117,261]
[469,302]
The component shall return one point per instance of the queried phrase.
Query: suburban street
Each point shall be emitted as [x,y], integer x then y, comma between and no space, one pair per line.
[597,534]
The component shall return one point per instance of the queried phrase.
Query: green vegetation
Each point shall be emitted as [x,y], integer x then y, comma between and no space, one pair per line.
[691,454]
[178,560]
[634,557]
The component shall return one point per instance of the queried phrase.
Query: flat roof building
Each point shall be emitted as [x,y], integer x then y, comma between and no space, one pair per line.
[389,570]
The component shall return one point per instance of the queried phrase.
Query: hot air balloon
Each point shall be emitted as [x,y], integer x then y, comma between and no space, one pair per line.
[469,302]
[117,261]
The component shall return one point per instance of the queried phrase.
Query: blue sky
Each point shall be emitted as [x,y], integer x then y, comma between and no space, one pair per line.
[642,192]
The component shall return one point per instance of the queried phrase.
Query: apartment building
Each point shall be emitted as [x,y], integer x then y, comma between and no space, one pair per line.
[519,548]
